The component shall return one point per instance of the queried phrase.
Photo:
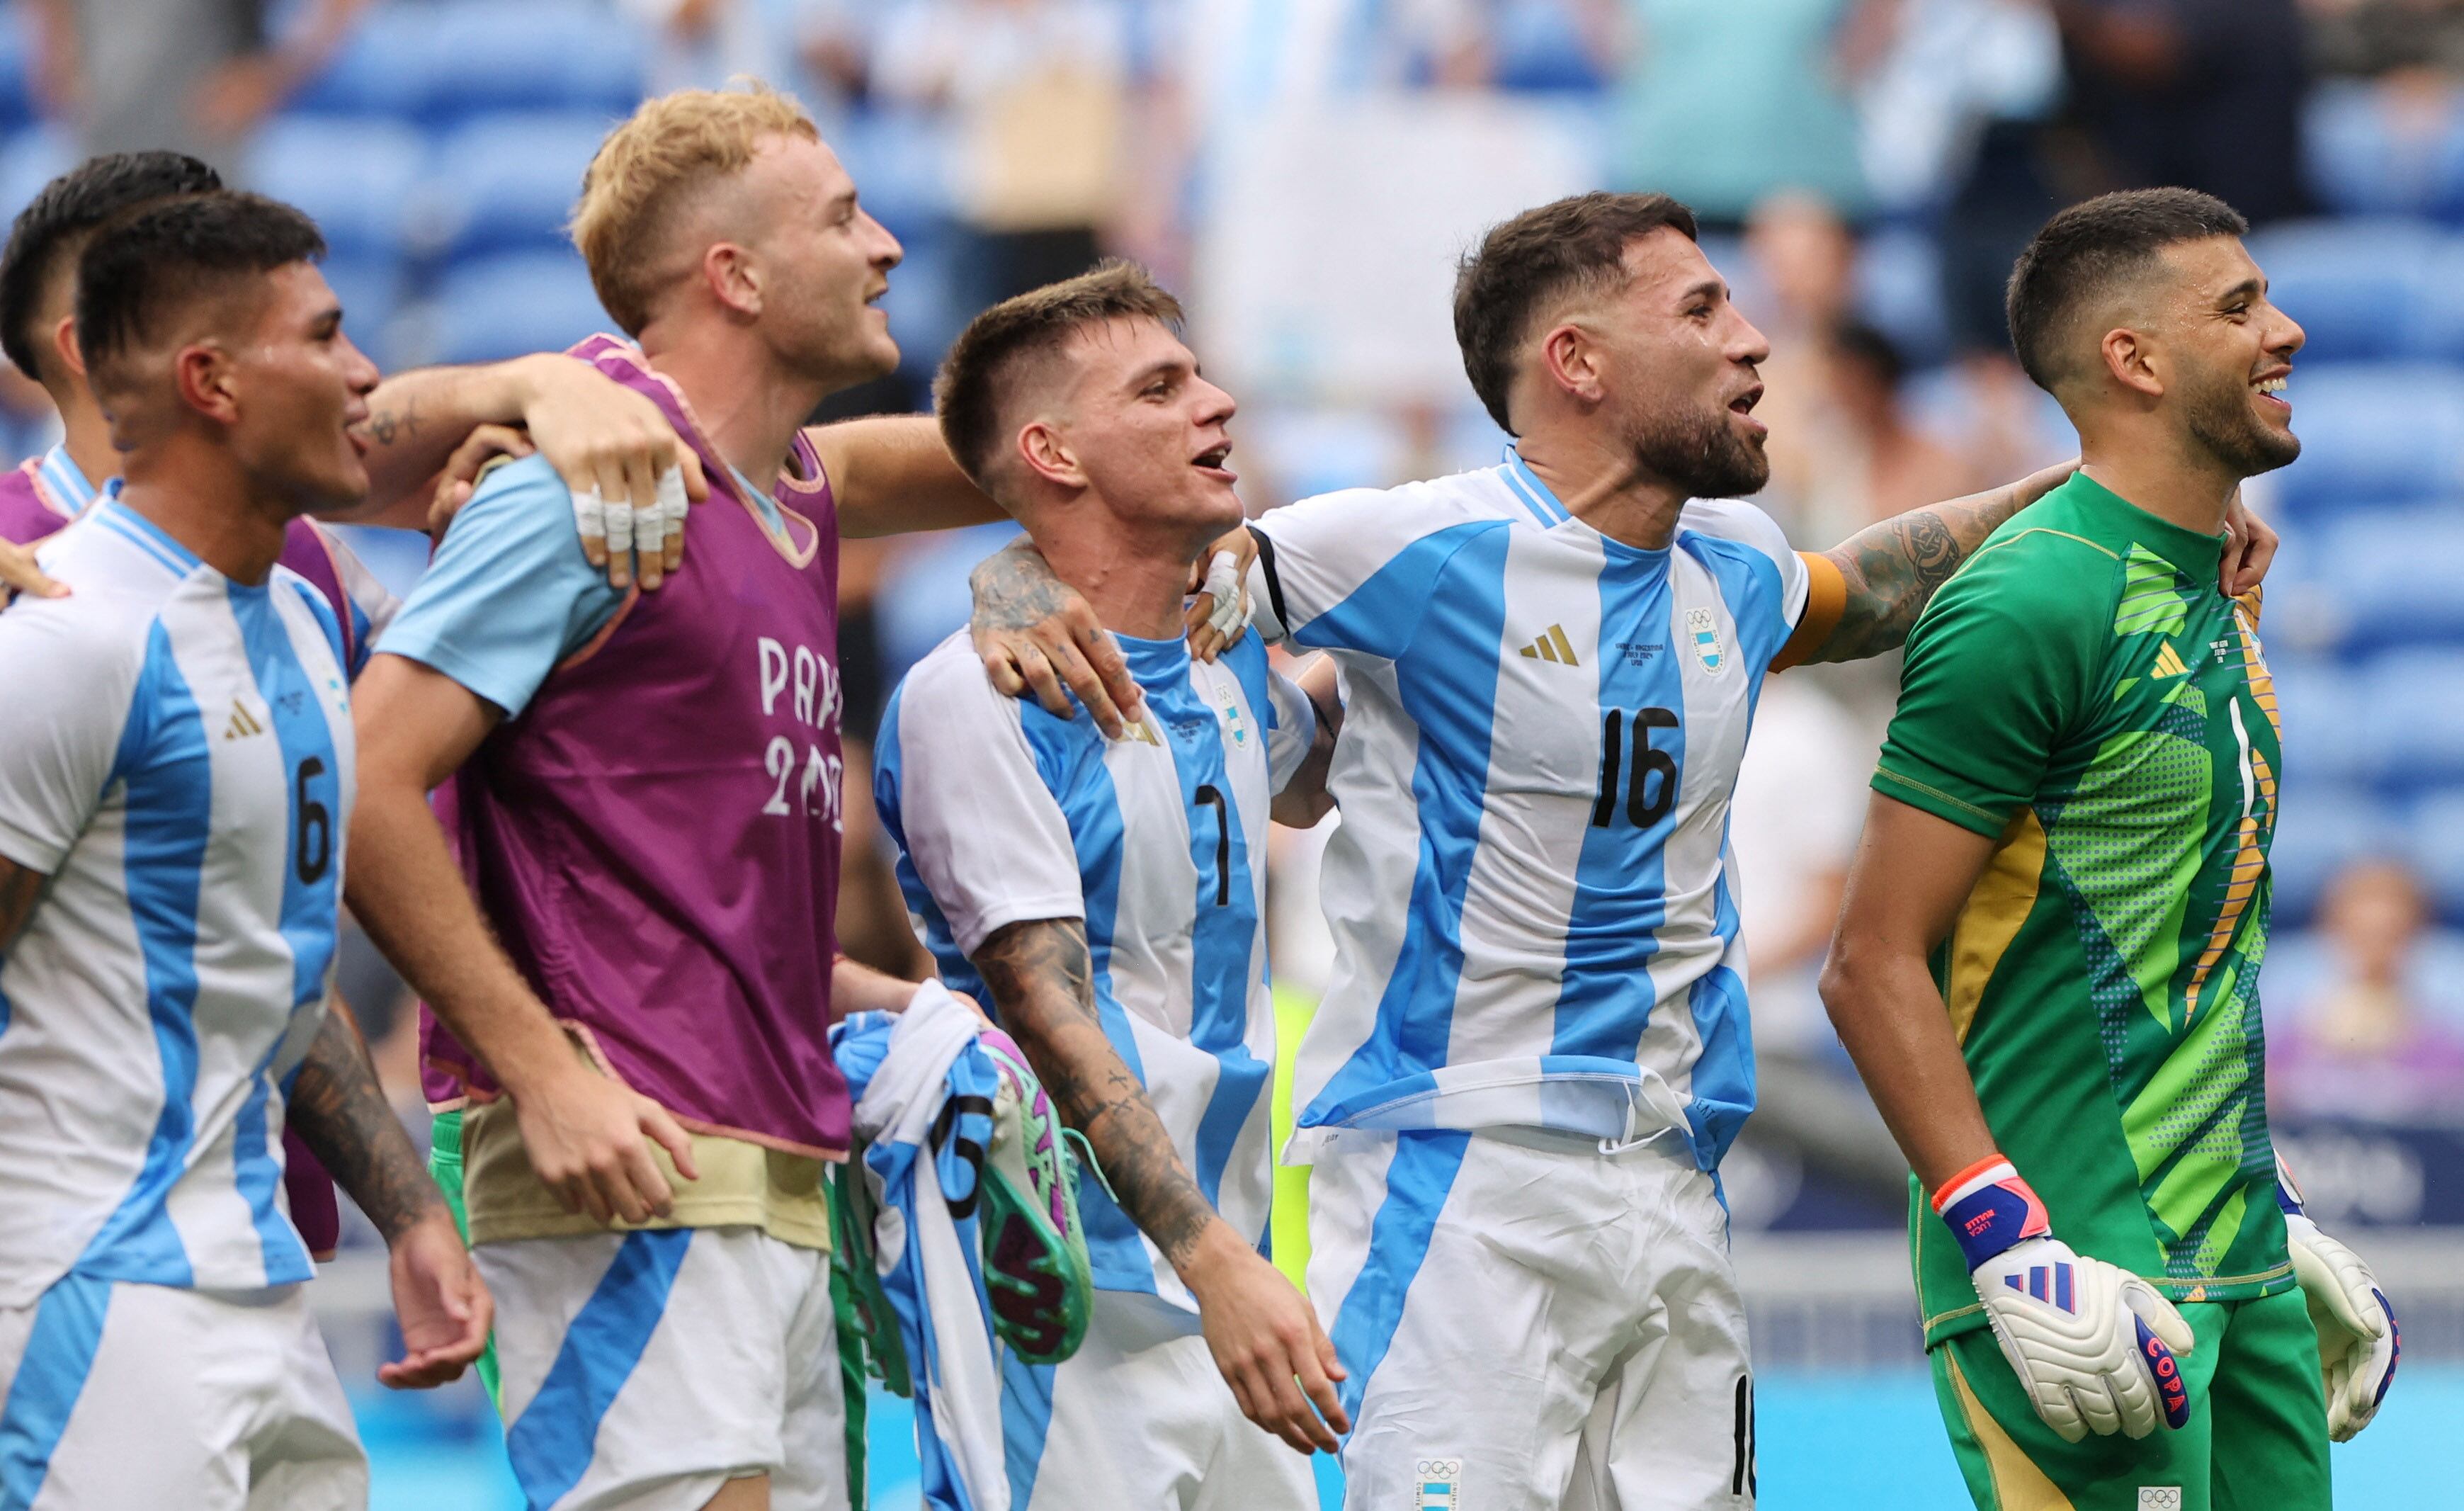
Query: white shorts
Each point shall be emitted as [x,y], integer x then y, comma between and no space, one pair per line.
[646,1369]
[1139,1418]
[1529,1324]
[129,1397]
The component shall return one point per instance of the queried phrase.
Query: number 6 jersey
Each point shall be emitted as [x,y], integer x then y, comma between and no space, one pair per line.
[176,756]
[1530,897]
[1005,814]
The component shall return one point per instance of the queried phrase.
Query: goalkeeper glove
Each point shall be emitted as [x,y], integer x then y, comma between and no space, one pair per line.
[2357,1343]
[2094,1344]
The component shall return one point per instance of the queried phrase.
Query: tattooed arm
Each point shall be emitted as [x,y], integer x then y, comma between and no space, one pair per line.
[1261,1329]
[1035,631]
[345,1119]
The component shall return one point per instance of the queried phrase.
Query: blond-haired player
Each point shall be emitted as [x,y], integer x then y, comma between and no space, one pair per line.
[633,960]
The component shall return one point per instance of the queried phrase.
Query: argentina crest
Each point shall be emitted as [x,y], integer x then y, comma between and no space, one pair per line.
[1704,631]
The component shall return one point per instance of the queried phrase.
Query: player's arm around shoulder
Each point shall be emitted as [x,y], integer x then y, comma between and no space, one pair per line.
[1262,1331]
[1307,719]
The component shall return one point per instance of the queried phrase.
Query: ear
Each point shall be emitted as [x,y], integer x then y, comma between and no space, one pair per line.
[65,341]
[204,373]
[2135,359]
[1572,361]
[735,277]
[1049,455]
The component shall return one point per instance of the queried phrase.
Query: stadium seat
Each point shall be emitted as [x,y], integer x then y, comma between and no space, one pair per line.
[358,176]
[2355,285]
[2413,717]
[2321,829]
[370,289]
[1538,47]
[383,69]
[2358,162]
[541,54]
[16,71]
[2379,433]
[507,183]
[2392,574]
[2435,834]
[509,305]
[900,163]
[2325,744]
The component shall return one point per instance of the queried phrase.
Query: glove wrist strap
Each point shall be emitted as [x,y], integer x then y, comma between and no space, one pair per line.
[1989,1209]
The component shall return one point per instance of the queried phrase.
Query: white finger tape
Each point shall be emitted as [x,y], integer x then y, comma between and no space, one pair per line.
[671,500]
[1231,612]
[620,526]
[649,528]
[590,514]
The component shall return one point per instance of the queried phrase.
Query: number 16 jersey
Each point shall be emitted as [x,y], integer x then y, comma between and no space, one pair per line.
[1535,919]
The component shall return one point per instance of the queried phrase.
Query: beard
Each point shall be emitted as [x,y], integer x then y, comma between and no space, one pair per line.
[1699,453]
[2220,418]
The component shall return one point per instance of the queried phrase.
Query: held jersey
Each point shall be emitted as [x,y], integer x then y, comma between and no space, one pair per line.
[1004,813]
[1530,897]
[2084,693]
[177,759]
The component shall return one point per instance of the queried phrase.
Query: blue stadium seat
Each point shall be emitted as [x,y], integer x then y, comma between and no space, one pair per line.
[16,71]
[2325,744]
[2390,433]
[510,306]
[541,55]
[385,67]
[2321,829]
[900,163]
[2413,716]
[2358,164]
[370,289]
[2392,574]
[507,183]
[2355,285]
[30,159]
[358,176]
[2436,843]
[1537,46]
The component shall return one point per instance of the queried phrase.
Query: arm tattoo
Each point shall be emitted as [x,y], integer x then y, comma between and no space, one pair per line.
[385,426]
[1892,570]
[1015,589]
[345,1119]
[1043,985]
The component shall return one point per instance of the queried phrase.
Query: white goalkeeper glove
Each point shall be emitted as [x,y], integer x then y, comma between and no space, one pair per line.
[2095,1345]
[2358,1342]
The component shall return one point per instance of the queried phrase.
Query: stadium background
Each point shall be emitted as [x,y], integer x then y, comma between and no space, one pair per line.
[1304,170]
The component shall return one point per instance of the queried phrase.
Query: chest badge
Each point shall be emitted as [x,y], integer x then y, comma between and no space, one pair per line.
[1704,631]
[1236,724]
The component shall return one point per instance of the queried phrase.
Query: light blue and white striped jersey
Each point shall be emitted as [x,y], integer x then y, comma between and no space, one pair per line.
[177,757]
[1004,813]
[1530,899]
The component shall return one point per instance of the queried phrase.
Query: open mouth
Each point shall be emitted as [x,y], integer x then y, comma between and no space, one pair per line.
[2271,388]
[1210,461]
[1743,407]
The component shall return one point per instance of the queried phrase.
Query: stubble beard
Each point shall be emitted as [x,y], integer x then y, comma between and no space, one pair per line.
[1699,453]
[2220,420]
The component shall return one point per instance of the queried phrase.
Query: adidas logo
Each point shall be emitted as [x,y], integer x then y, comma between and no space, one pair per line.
[1553,647]
[2169,662]
[243,723]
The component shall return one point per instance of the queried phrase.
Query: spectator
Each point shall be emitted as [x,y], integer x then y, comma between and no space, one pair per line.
[1893,467]
[2373,38]
[1799,803]
[2362,1039]
[1722,104]
[195,76]
[1800,269]
[2205,94]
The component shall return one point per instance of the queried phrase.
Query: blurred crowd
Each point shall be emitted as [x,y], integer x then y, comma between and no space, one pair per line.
[1866,170]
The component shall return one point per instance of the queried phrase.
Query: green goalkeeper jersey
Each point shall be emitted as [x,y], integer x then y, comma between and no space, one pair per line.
[2082,693]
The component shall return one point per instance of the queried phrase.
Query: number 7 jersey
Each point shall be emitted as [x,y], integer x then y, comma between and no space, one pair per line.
[1531,895]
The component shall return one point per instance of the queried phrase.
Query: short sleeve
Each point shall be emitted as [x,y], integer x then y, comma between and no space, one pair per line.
[1291,728]
[509,594]
[1998,670]
[69,692]
[373,604]
[961,790]
[1355,570]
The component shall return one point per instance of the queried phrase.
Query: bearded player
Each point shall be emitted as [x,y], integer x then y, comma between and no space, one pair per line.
[2046,966]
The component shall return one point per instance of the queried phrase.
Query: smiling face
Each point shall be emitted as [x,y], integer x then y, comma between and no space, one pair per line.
[826,263]
[2232,351]
[300,394]
[1140,427]
[1677,368]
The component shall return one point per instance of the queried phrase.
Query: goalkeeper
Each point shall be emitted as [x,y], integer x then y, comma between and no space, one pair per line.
[2046,966]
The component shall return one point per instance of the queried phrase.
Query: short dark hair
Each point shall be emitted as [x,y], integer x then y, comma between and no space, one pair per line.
[52,229]
[159,259]
[969,390]
[2087,249]
[1537,256]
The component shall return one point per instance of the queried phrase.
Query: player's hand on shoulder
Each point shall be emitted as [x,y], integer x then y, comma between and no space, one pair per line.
[1218,612]
[1035,634]
[589,1139]
[440,1302]
[2095,1345]
[2250,548]
[630,475]
[1266,1341]
[19,574]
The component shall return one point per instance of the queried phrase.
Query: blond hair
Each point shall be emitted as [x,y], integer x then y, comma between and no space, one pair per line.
[673,145]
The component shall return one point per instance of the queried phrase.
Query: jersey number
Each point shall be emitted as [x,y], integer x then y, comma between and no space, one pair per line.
[1646,802]
[1212,796]
[314,855]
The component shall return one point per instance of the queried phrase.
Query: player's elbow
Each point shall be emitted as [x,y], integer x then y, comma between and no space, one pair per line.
[1852,977]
